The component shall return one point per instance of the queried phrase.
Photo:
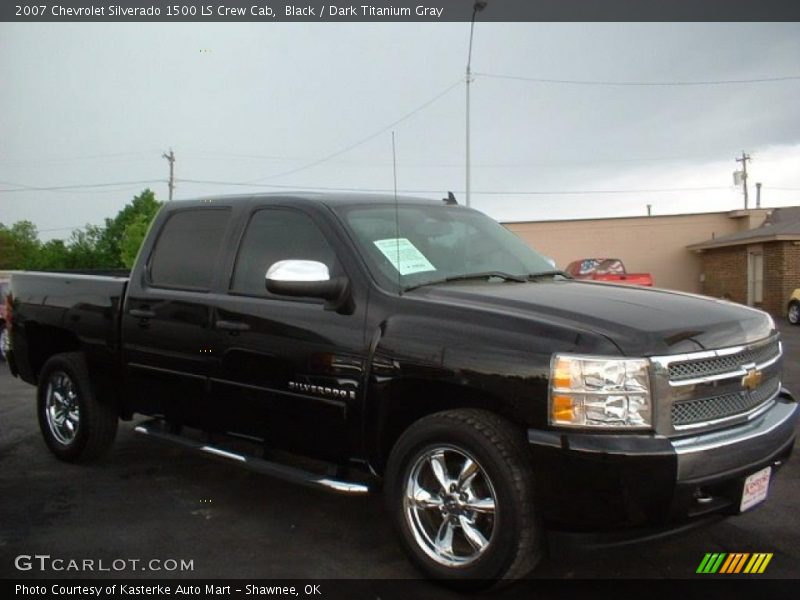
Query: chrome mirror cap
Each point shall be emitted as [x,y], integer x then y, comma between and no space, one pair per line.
[298,270]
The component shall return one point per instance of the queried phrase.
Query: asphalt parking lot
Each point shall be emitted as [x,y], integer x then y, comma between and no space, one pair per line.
[149,500]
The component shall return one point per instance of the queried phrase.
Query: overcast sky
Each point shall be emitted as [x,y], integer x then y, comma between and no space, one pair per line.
[84,104]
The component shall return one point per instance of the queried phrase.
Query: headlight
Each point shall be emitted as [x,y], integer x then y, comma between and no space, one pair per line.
[600,392]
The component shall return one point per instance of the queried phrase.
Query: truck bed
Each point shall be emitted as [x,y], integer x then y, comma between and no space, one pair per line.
[76,308]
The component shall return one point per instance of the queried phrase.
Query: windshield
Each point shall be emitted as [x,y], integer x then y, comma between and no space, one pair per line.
[427,244]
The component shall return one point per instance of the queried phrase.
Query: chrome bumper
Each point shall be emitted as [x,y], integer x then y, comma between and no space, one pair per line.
[720,453]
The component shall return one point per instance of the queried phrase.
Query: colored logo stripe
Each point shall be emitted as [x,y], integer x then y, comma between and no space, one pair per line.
[734,563]
[721,562]
[758,563]
[711,563]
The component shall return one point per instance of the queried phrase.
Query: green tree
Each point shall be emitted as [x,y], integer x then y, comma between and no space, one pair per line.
[85,249]
[53,255]
[132,239]
[142,207]
[111,246]
[19,246]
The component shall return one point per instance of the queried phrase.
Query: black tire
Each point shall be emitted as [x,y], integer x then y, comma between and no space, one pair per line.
[793,313]
[516,542]
[96,420]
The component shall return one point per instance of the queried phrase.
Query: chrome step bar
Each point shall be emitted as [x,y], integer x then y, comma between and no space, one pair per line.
[154,429]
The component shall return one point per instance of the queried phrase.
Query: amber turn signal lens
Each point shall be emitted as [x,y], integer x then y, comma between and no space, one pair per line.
[562,409]
[562,374]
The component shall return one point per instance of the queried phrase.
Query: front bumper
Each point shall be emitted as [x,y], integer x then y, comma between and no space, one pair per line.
[611,482]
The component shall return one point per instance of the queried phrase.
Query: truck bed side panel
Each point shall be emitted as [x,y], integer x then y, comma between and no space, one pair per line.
[52,310]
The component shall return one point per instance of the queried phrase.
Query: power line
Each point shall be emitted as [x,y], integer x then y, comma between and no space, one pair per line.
[453,165]
[111,156]
[639,83]
[71,228]
[439,191]
[366,139]
[28,188]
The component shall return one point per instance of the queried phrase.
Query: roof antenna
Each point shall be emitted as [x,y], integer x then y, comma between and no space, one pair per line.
[396,220]
[450,200]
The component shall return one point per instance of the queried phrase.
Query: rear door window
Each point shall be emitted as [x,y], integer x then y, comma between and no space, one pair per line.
[188,249]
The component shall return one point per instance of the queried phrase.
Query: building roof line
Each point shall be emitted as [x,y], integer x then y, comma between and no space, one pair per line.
[733,214]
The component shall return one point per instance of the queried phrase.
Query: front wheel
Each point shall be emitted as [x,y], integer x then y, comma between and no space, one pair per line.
[460,489]
[794,313]
[3,343]
[76,426]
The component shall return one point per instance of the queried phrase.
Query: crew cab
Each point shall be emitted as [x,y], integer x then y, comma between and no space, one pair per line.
[365,343]
[607,269]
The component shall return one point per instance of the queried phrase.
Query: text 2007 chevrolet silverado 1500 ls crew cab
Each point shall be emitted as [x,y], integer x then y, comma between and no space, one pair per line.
[421,346]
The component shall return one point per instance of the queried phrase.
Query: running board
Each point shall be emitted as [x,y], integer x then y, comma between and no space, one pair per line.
[292,474]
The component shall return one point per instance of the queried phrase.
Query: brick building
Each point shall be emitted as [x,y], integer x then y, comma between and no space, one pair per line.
[751,256]
[654,244]
[759,267]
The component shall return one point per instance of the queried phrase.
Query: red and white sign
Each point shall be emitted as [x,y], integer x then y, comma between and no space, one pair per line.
[755,488]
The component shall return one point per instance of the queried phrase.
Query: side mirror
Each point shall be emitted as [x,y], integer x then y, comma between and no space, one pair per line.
[309,279]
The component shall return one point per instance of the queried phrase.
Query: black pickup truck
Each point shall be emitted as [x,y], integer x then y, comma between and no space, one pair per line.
[355,343]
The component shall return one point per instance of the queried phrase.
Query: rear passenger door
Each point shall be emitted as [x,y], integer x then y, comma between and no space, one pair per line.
[167,335]
[289,370]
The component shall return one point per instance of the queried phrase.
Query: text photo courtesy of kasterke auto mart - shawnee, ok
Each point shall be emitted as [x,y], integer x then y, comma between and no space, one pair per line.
[421,299]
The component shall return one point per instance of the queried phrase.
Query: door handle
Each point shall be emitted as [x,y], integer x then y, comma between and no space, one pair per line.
[141,313]
[232,326]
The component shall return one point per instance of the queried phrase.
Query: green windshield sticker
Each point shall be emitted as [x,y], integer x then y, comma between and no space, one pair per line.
[404,256]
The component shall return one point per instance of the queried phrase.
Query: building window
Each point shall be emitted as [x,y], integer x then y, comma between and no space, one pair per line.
[755,278]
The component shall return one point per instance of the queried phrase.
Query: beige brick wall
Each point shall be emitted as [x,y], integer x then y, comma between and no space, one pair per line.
[725,272]
[781,275]
[656,245]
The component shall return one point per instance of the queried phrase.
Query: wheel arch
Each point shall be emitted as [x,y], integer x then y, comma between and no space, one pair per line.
[44,342]
[406,401]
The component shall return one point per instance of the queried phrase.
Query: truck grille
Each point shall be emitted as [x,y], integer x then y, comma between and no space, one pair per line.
[719,407]
[720,365]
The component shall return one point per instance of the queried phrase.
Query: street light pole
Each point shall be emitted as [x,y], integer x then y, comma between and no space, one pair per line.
[476,8]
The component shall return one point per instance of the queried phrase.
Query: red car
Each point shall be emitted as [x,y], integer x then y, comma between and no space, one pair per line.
[606,269]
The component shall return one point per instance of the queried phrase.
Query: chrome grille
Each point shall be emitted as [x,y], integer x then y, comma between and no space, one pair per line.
[719,365]
[720,407]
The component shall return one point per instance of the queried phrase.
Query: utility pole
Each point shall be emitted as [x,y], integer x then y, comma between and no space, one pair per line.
[476,8]
[743,160]
[758,194]
[171,159]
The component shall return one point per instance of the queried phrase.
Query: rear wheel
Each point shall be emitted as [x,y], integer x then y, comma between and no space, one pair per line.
[794,313]
[76,426]
[460,489]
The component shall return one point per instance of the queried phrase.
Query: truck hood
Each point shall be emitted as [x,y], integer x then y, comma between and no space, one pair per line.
[639,321]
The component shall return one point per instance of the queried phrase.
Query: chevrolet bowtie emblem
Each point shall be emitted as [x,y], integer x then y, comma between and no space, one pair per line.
[752,380]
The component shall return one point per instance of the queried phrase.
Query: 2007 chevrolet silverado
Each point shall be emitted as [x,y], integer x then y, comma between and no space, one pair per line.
[358,342]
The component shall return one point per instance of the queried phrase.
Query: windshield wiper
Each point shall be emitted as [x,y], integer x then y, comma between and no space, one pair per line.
[549,274]
[466,277]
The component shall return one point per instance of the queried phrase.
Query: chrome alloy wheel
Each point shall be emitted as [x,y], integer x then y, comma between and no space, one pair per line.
[452,517]
[61,407]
